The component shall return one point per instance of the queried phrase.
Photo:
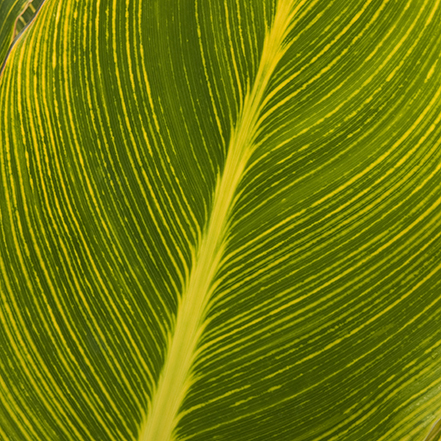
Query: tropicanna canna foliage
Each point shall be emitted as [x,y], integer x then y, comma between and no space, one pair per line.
[220,220]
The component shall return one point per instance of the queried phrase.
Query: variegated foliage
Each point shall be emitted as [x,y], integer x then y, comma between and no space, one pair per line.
[220,220]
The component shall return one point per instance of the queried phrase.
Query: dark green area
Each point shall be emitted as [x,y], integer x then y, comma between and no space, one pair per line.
[15,16]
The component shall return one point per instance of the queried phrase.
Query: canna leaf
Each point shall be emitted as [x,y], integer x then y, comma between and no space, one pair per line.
[220,220]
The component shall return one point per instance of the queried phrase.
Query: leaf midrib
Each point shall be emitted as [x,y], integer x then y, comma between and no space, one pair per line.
[176,376]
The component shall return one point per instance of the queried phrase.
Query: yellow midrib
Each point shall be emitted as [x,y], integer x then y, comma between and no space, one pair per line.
[176,377]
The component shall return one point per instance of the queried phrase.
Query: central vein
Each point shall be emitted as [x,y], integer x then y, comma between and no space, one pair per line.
[176,376]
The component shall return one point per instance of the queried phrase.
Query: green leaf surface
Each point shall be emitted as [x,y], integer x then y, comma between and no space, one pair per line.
[221,220]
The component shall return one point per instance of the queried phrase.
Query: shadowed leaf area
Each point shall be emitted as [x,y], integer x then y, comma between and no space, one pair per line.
[15,15]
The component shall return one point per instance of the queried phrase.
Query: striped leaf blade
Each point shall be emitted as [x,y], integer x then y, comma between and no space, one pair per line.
[221,221]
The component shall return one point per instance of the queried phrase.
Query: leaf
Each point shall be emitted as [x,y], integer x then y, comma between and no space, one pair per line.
[221,221]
